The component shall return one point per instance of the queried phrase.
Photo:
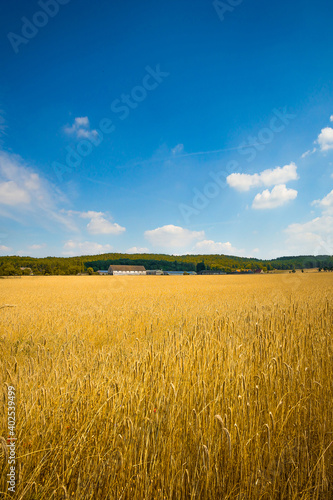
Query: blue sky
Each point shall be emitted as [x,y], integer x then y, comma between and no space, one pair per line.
[166,127]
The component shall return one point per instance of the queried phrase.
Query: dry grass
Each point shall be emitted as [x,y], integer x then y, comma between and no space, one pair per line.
[190,387]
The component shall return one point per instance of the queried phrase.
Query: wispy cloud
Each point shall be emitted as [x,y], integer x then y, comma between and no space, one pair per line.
[28,197]
[3,248]
[177,149]
[177,154]
[313,237]
[326,203]
[138,250]
[3,125]
[215,247]
[12,194]
[316,235]
[171,236]
[72,248]
[308,153]
[37,246]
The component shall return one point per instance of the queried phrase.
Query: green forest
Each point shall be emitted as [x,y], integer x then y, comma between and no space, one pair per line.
[18,266]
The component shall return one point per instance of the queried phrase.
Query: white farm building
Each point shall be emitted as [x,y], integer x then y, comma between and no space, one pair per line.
[126,270]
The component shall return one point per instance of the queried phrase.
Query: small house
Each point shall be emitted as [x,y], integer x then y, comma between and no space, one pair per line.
[117,270]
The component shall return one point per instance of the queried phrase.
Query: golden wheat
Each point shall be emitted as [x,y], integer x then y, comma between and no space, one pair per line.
[206,387]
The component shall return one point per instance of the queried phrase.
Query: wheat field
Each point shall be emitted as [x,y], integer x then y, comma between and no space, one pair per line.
[169,387]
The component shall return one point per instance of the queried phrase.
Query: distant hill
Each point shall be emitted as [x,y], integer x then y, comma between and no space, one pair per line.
[10,266]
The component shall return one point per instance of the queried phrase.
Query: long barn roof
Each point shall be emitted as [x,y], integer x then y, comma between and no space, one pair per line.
[126,268]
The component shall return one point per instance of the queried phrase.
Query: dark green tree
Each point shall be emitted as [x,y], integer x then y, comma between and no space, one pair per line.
[200,267]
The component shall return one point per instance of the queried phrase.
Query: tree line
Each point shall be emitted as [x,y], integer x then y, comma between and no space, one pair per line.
[18,266]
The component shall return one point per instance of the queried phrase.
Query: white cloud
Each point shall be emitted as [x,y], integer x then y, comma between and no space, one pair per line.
[100,222]
[172,236]
[86,134]
[331,118]
[3,248]
[81,129]
[82,121]
[79,124]
[269,177]
[18,183]
[214,247]
[138,250]
[12,194]
[26,197]
[326,203]
[100,225]
[323,224]
[72,247]
[325,139]
[314,237]
[279,196]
